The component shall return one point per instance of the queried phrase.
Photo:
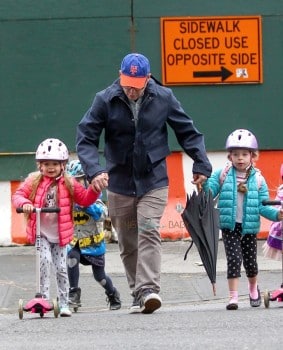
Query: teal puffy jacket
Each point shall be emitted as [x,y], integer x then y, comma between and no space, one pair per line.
[252,205]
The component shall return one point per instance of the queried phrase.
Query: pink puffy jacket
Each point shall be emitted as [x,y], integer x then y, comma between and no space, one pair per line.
[83,197]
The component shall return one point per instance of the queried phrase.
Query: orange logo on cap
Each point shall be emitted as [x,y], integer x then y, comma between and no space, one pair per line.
[134,70]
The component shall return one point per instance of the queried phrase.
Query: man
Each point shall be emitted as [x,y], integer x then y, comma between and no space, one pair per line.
[134,112]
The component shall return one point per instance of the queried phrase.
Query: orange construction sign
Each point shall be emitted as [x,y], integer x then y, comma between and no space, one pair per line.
[211,50]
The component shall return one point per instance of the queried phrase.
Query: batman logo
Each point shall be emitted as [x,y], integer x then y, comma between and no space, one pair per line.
[80,217]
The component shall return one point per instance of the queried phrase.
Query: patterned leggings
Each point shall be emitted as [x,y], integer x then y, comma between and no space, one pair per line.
[53,254]
[240,248]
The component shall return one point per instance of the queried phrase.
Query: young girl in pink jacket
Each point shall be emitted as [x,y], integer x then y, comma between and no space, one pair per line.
[51,187]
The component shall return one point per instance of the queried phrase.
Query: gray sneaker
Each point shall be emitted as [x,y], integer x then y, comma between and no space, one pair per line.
[135,308]
[256,302]
[149,302]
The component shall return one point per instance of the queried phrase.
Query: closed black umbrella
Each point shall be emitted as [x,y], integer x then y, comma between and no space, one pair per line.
[201,219]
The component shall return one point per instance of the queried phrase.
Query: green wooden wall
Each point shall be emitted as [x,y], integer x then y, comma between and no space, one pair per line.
[55,55]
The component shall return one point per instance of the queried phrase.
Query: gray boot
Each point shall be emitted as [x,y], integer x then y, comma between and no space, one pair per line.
[114,300]
[75,296]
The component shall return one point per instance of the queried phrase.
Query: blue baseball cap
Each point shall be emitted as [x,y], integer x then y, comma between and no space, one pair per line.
[134,70]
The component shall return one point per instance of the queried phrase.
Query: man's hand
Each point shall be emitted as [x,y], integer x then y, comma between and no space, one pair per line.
[100,182]
[199,180]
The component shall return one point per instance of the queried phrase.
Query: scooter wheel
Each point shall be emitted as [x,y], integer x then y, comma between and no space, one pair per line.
[55,308]
[266,298]
[21,309]
[76,309]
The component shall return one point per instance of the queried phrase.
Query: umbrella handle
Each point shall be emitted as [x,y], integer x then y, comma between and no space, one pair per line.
[199,187]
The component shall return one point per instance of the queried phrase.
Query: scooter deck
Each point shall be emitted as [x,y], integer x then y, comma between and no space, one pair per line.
[38,305]
[277,295]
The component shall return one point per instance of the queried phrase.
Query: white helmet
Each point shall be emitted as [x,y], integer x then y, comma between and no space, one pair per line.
[52,149]
[241,138]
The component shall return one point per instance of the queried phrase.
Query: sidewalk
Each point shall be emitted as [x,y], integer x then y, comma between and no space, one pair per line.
[181,281]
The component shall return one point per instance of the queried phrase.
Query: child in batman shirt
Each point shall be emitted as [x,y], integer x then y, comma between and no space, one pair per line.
[88,245]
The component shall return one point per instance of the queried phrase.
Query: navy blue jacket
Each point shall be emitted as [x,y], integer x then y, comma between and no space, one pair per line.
[136,156]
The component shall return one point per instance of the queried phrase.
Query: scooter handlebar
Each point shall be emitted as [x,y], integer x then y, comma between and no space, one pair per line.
[272,202]
[43,210]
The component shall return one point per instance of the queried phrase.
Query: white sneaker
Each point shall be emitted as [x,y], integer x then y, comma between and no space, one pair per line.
[65,311]
[150,302]
[135,309]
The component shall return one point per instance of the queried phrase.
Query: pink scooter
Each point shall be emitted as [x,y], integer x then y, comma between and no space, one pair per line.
[38,304]
[277,294]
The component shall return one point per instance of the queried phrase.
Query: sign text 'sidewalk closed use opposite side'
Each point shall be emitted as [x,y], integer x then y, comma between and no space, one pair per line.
[211,50]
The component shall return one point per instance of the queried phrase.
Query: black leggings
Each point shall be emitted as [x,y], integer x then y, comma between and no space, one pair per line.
[240,248]
[97,263]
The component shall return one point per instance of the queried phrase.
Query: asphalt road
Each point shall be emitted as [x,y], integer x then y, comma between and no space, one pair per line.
[191,317]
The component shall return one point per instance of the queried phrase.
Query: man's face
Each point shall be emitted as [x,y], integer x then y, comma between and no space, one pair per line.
[133,93]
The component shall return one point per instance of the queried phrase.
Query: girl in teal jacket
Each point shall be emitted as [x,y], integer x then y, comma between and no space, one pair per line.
[241,189]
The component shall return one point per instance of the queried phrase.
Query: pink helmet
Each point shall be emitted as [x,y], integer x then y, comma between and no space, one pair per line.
[52,149]
[241,138]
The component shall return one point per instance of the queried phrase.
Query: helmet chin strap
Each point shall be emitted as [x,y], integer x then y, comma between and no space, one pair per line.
[62,171]
[251,161]
[59,177]
[248,167]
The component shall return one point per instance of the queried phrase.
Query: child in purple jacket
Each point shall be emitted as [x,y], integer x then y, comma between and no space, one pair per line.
[272,248]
